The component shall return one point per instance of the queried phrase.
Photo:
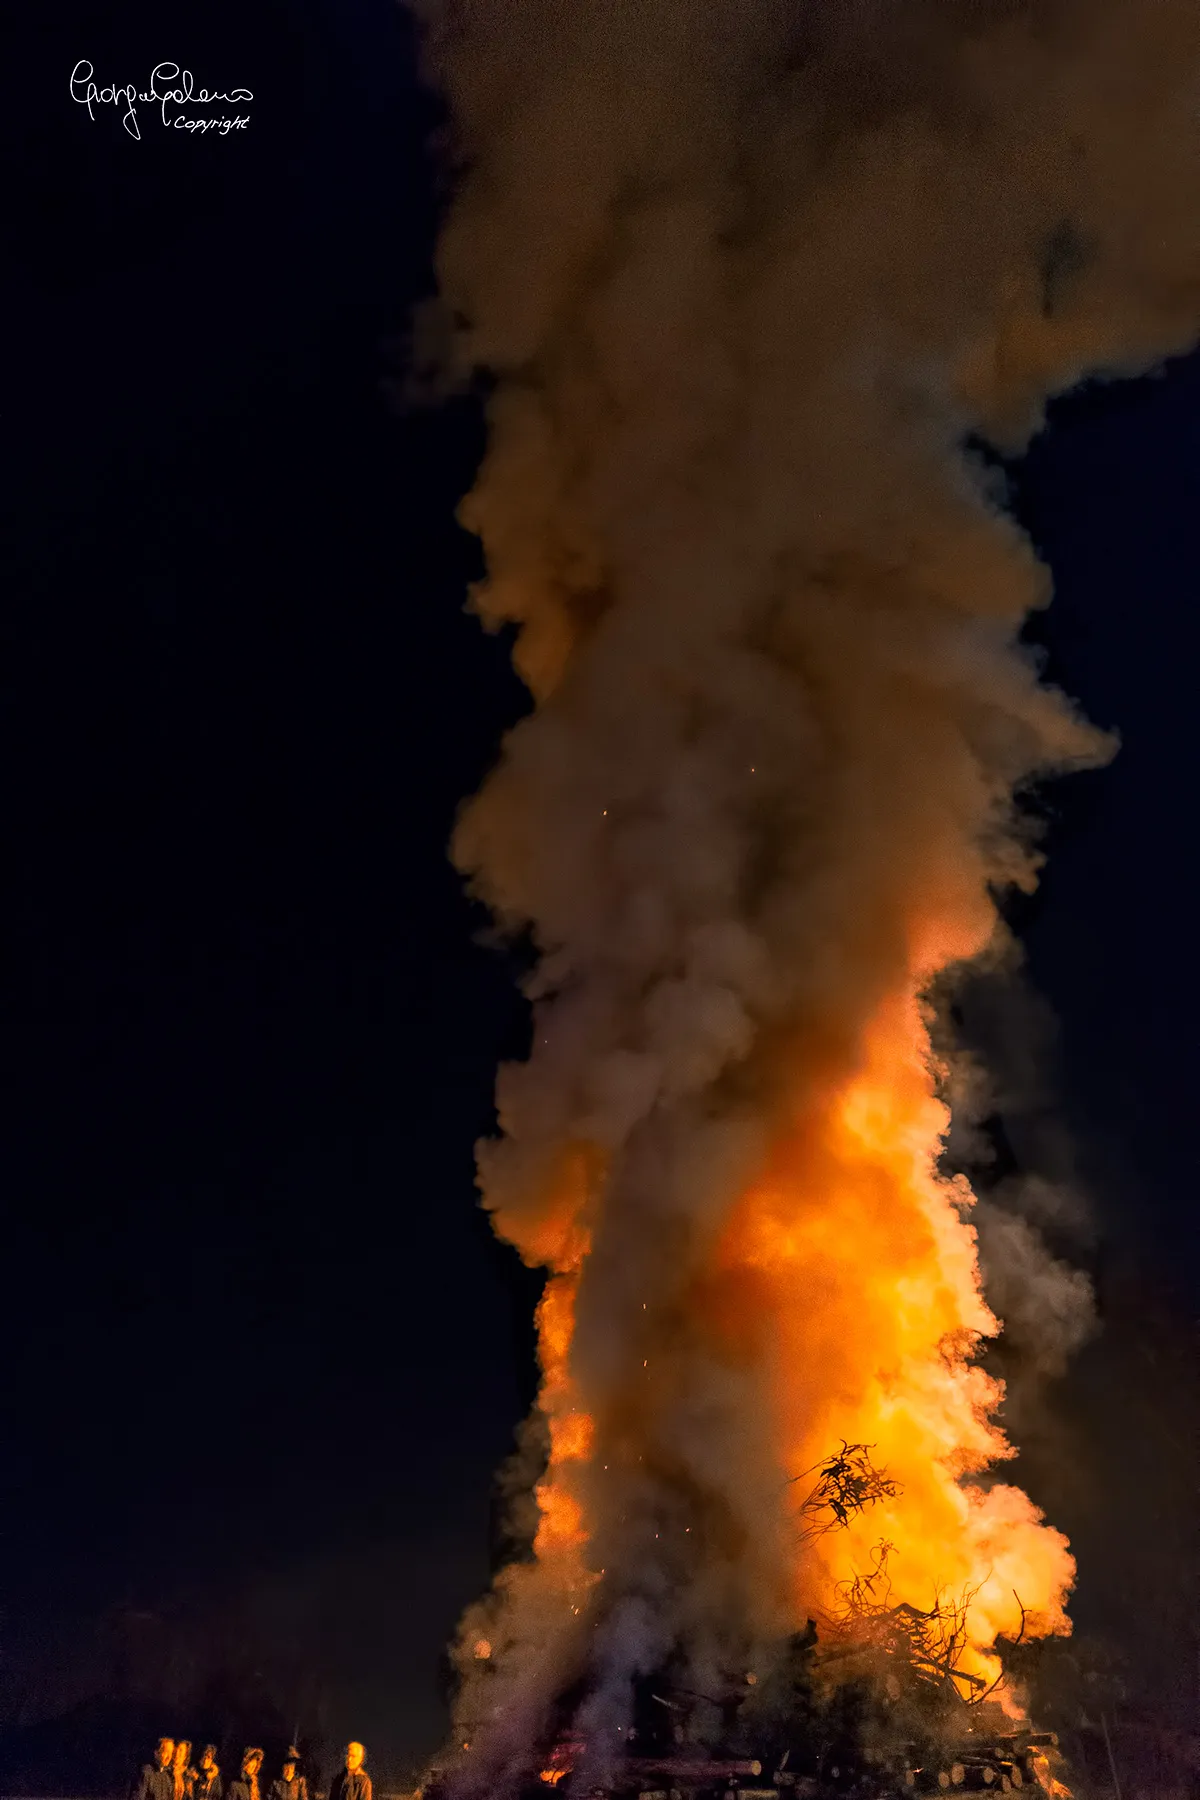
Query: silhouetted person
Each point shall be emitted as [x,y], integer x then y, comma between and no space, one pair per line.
[246,1785]
[156,1781]
[208,1785]
[291,1785]
[182,1773]
[352,1782]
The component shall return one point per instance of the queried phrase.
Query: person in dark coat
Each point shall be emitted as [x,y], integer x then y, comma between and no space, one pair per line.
[209,1785]
[246,1785]
[352,1782]
[157,1780]
[291,1785]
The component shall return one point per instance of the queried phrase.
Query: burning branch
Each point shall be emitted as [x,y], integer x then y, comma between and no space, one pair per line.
[868,1595]
[847,1484]
[932,1643]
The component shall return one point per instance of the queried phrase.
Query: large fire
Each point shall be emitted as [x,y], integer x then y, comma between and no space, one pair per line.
[848,1274]
[748,282]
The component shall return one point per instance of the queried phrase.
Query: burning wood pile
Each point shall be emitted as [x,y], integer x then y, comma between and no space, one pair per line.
[998,1765]
[835,1740]
[999,1762]
[879,1703]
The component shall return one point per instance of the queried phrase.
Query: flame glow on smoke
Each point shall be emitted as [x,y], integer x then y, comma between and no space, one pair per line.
[746,278]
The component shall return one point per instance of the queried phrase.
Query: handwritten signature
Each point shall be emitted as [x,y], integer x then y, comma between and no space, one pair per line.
[86,92]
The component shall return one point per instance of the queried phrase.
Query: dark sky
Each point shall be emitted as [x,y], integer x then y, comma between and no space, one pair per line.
[260,1352]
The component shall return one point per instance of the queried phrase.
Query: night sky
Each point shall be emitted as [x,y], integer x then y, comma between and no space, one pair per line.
[261,1353]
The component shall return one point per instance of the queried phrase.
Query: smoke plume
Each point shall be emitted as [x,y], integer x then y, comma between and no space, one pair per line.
[1027,1223]
[748,278]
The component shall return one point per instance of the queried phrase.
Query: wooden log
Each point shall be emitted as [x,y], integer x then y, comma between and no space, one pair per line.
[682,1771]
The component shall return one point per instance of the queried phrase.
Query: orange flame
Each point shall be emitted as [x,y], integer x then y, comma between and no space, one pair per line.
[848,1273]
[865,1269]
[561,1526]
[553,1234]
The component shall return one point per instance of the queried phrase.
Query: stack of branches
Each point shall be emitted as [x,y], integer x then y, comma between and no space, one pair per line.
[930,1643]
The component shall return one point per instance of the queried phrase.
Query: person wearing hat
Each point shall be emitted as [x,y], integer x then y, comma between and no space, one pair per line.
[291,1785]
[351,1782]
[208,1785]
[246,1785]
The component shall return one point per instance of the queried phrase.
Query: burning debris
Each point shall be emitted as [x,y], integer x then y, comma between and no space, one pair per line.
[876,1705]
[744,279]
[847,1483]
[842,1741]
[1002,1763]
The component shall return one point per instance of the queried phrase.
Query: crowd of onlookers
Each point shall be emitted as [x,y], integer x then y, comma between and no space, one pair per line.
[171,1776]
